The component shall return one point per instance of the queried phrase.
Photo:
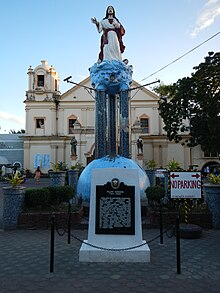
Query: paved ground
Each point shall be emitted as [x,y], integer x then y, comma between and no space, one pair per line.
[25,267]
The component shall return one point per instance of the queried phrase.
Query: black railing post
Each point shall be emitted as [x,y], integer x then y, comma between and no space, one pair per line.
[178,245]
[52,244]
[69,222]
[161,225]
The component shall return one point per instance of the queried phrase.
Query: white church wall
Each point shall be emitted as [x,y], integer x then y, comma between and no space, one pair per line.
[176,151]
[45,114]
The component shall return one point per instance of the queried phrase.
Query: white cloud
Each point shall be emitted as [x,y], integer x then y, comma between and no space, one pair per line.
[8,117]
[207,17]
[210,2]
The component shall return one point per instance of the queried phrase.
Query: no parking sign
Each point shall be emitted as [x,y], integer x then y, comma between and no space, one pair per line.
[185,184]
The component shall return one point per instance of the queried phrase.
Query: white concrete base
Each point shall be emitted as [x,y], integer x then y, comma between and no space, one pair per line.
[110,241]
[91,254]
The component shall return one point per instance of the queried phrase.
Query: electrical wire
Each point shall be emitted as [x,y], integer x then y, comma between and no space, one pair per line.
[89,89]
[181,56]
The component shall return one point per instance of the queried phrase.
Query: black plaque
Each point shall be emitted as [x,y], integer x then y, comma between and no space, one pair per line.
[115,209]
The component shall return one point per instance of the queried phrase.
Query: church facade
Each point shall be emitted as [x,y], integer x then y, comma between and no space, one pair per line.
[53,119]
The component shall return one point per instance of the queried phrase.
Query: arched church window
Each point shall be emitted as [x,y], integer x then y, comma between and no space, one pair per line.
[40,80]
[144,123]
[71,125]
[39,123]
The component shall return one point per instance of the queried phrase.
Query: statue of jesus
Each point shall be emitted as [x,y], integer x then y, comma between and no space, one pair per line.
[111,41]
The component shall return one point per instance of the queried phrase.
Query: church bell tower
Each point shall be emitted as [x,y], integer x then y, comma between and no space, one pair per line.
[42,101]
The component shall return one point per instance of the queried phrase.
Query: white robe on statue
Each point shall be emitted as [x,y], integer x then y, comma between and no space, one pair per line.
[111,51]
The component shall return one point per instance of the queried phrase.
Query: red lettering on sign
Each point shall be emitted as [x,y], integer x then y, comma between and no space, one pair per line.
[185,184]
[173,183]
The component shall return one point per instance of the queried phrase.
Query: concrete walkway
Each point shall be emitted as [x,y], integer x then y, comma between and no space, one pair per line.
[25,265]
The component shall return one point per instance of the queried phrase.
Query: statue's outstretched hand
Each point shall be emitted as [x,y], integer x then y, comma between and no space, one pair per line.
[94,20]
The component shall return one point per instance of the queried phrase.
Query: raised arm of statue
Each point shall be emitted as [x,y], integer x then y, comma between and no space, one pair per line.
[94,20]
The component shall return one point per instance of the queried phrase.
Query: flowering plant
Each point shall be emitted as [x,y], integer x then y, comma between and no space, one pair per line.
[16,179]
[77,166]
[214,179]
[151,165]
[173,165]
[59,166]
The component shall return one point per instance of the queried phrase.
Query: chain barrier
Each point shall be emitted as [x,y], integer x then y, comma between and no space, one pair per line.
[172,228]
[164,232]
[60,233]
[64,231]
[55,226]
[108,249]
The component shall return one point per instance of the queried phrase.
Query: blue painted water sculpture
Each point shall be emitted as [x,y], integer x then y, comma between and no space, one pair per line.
[84,182]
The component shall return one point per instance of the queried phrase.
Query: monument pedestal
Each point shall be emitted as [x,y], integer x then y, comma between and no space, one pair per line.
[115,230]
[92,254]
[73,158]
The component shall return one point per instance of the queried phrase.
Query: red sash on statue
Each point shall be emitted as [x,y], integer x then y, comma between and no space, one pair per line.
[104,39]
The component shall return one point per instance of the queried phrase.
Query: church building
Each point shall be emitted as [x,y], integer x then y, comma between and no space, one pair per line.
[53,119]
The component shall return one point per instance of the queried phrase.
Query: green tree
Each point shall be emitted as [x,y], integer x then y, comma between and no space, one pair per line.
[192,106]
[12,131]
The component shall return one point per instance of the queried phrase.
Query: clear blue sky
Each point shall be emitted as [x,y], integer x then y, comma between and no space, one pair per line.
[61,32]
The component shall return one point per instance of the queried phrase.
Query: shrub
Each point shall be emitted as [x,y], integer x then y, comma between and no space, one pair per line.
[47,196]
[37,197]
[155,194]
[59,194]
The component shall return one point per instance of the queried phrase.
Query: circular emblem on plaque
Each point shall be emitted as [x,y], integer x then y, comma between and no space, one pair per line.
[115,183]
